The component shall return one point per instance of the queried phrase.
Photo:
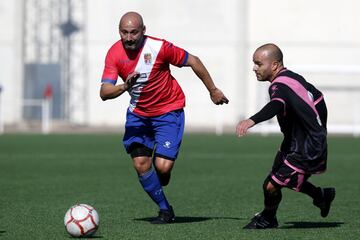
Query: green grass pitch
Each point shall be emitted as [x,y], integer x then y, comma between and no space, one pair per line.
[215,189]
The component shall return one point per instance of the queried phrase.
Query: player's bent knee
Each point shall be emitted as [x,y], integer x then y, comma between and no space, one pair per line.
[163,165]
[142,164]
[269,188]
[163,169]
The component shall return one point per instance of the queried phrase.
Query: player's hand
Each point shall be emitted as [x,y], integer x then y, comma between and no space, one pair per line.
[243,126]
[218,97]
[131,80]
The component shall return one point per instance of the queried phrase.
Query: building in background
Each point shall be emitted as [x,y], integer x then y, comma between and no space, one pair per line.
[64,43]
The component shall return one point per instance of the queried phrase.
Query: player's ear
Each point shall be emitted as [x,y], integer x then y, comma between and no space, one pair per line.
[274,65]
[144,29]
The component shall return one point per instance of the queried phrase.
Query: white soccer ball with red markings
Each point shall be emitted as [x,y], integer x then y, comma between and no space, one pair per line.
[81,220]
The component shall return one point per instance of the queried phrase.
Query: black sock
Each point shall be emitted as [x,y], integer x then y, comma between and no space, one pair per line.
[314,192]
[271,203]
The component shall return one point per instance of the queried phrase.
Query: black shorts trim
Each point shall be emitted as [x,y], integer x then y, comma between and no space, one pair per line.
[139,150]
[275,184]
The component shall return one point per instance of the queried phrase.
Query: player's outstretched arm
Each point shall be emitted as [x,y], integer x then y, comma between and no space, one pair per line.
[268,111]
[109,91]
[243,126]
[216,95]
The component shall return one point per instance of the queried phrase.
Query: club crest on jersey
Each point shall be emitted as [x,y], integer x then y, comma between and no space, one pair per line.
[147,58]
[274,89]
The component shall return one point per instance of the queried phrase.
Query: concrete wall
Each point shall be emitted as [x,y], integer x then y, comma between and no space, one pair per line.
[320,40]
[10,61]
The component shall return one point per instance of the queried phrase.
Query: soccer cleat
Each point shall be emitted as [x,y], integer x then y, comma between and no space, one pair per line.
[260,222]
[164,217]
[325,204]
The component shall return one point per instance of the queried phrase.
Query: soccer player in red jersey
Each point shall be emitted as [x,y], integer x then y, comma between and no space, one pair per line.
[302,115]
[155,117]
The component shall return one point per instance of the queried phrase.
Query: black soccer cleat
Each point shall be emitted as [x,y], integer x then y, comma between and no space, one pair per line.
[325,204]
[164,217]
[260,222]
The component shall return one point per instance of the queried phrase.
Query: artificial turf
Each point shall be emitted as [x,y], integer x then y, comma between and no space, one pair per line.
[215,189]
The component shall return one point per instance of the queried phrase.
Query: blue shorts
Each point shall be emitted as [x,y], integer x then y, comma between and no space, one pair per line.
[164,132]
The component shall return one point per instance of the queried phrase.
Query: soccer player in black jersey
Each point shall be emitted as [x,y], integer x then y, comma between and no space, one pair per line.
[302,115]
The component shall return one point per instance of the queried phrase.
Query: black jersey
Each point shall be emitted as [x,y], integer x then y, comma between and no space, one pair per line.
[302,120]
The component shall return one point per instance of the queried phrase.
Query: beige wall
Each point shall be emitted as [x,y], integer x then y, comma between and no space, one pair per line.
[10,61]
[320,40]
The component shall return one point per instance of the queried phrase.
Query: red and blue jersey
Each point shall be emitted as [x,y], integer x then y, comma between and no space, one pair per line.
[156,91]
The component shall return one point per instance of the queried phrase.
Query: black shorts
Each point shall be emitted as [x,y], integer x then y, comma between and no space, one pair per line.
[285,174]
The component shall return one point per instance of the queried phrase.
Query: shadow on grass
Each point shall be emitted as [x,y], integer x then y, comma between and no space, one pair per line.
[187,219]
[311,225]
[1,232]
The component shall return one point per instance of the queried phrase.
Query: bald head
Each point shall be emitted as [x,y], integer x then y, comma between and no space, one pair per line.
[268,62]
[133,19]
[132,30]
[272,52]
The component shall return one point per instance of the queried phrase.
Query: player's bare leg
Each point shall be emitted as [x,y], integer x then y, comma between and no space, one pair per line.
[163,167]
[142,164]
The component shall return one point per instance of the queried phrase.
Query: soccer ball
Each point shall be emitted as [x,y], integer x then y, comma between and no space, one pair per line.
[81,220]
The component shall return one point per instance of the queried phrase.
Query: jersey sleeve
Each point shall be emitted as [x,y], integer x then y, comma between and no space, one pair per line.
[276,105]
[277,92]
[110,73]
[271,109]
[174,55]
